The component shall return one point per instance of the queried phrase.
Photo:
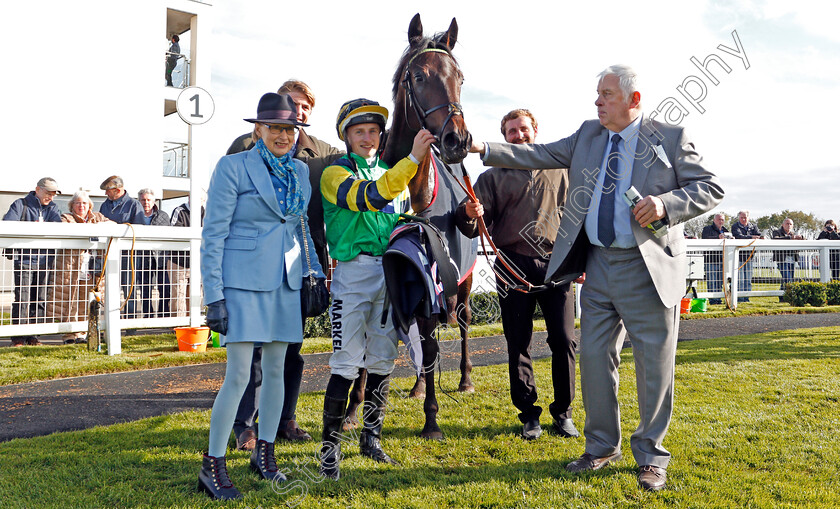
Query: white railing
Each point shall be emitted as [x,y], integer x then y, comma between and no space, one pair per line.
[161,243]
[716,261]
[720,261]
[761,276]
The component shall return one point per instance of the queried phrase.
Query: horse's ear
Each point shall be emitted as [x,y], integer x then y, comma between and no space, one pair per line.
[451,35]
[415,30]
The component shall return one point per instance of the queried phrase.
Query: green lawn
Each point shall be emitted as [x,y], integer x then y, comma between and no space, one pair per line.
[25,364]
[756,425]
[30,363]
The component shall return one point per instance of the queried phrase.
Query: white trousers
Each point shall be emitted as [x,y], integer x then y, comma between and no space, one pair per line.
[359,340]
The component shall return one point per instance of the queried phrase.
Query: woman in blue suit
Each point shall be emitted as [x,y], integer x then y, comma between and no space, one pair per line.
[252,270]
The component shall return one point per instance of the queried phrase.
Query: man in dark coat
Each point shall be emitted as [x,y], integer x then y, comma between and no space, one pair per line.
[32,266]
[786,260]
[172,57]
[744,229]
[122,208]
[714,260]
[150,264]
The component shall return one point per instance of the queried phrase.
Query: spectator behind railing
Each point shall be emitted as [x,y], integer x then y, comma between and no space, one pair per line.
[743,229]
[830,232]
[172,58]
[122,208]
[150,265]
[75,275]
[31,267]
[714,259]
[178,265]
[786,260]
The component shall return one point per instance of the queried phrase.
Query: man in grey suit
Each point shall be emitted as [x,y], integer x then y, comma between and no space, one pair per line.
[634,279]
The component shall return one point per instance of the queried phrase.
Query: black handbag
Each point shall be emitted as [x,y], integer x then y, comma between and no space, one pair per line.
[314,298]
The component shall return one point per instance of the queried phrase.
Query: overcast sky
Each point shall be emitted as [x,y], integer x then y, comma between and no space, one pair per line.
[764,128]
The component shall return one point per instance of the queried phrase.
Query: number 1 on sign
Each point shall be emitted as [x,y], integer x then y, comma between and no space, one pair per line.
[196,114]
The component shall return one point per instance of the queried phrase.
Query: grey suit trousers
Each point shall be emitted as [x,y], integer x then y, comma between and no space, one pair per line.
[618,299]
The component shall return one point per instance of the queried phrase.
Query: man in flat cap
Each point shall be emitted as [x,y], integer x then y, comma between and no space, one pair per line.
[31,266]
[122,208]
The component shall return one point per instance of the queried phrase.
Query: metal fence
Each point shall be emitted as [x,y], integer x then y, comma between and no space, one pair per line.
[49,269]
[176,159]
[749,269]
[760,268]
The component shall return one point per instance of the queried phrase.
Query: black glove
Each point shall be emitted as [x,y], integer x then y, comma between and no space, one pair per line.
[325,294]
[217,317]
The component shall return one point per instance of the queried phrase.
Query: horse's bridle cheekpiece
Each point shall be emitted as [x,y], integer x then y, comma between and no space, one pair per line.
[454,108]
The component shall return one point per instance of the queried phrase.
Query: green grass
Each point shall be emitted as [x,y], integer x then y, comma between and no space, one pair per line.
[755,425]
[759,306]
[30,363]
[26,364]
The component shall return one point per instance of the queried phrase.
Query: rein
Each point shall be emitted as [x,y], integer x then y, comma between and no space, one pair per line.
[455,109]
[525,286]
[419,111]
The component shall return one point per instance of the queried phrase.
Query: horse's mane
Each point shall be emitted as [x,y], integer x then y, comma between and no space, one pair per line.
[435,42]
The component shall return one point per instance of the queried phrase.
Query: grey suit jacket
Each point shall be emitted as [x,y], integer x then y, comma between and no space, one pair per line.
[686,188]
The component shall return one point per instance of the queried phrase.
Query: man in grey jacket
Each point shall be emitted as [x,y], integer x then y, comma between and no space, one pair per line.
[634,277]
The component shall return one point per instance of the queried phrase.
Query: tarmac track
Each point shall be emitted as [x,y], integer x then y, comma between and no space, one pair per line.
[40,408]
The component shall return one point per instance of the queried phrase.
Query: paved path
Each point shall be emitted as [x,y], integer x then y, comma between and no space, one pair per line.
[41,408]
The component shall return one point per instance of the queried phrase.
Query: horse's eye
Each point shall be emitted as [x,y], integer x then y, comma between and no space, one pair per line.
[418,76]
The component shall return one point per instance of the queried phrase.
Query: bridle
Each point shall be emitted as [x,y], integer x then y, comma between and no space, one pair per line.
[414,103]
[455,109]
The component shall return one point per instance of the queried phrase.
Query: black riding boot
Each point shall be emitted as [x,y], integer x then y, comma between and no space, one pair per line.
[213,479]
[335,401]
[376,399]
[264,463]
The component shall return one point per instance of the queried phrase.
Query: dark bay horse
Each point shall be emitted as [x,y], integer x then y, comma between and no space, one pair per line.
[426,93]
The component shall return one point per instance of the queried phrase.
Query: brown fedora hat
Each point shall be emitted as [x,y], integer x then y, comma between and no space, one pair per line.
[277,109]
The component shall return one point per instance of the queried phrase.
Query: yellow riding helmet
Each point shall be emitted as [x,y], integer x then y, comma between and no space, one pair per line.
[360,111]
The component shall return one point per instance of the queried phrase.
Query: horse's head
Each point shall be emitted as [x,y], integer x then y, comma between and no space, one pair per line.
[427,90]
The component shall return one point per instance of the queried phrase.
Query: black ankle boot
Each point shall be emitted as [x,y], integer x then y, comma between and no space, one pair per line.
[264,463]
[331,445]
[213,479]
[376,398]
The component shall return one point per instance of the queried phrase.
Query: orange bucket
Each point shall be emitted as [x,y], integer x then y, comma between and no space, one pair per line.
[685,306]
[192,339]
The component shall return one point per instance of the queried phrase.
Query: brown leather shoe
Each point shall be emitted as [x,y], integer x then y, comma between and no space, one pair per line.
[590,462]
[293,433]
[652,478]
[247,440]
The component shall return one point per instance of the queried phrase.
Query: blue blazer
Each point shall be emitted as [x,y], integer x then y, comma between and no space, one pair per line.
[247,242]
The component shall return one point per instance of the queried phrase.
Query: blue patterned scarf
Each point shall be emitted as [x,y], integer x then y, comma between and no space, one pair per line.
[283,168]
